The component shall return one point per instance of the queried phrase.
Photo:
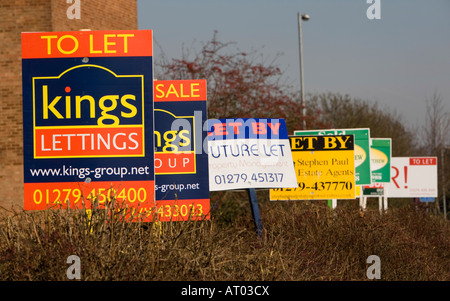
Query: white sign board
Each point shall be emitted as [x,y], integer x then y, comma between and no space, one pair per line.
[413,177]
[249,153]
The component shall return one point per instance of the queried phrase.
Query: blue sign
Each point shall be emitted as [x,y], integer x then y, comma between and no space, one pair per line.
[87,119]
[181,164]
[426,200]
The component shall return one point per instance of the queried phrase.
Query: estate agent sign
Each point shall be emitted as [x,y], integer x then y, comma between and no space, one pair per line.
[87,118]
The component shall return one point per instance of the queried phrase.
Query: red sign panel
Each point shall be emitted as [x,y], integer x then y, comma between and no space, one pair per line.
[87,44]
[423,161]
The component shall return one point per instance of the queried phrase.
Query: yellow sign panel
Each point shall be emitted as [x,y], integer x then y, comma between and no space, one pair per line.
[358,191]
[324,167]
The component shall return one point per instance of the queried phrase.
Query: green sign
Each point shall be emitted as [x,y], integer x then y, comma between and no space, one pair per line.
[380,160]
[362,150]
[373,191]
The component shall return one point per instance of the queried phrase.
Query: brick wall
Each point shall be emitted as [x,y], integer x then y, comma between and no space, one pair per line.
[18,16]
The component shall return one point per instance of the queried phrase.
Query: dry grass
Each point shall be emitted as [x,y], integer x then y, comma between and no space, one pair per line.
[301,241]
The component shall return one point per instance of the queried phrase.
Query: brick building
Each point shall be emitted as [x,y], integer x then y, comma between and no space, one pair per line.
[18,16]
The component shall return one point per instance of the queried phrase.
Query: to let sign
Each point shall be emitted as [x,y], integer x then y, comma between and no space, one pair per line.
[88,118]
[413,177]
[249,153]
[363,174]
[324,167]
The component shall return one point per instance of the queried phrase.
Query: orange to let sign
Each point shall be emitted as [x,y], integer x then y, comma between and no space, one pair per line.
[102,43]
[88,118]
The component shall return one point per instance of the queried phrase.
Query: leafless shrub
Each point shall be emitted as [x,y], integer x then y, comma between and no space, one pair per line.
[301,241]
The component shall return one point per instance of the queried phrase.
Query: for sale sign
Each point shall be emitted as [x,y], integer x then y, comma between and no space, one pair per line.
[413,177]
[249,153]
[88,118]
[324,167]
[181,165]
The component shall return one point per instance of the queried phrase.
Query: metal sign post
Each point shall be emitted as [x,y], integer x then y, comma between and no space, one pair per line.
[255,211]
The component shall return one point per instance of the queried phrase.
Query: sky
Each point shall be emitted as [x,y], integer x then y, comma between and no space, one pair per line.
[397,61]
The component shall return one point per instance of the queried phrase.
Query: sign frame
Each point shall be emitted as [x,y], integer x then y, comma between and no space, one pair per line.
[381,151]
[362,149]
[413,177]
[96,86]
[181,165]
[249,153]
[324,166]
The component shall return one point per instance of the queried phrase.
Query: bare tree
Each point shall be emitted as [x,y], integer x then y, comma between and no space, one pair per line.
[343,111]
[239,84]
[435,137]
[437,125]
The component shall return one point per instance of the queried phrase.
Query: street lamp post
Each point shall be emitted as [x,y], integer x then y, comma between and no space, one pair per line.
[301,17]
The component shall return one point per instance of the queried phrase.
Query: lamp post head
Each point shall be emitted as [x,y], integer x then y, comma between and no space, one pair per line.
[305,17]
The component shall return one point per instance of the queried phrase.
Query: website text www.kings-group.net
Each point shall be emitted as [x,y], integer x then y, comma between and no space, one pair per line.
[84,172]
